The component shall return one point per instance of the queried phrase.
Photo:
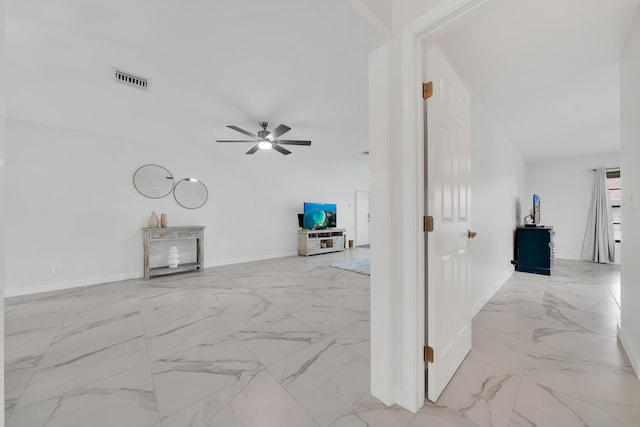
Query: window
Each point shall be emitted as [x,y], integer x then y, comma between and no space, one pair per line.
[615,198]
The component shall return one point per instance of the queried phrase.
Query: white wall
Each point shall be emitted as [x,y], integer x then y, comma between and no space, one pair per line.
[72,203]
[497,185]
[629,330]
[75,137]
[565,187]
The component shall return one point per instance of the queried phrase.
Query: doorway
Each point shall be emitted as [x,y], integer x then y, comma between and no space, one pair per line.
[363,218]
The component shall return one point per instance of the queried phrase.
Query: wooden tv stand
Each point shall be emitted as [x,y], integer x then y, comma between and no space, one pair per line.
[314,242]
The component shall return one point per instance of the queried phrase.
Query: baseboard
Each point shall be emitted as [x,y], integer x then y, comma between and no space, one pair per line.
[475,308]
[632,354]
[59,286]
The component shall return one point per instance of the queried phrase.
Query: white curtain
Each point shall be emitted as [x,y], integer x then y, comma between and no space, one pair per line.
[599,244]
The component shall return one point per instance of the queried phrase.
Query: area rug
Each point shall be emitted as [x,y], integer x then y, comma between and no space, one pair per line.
[362,266]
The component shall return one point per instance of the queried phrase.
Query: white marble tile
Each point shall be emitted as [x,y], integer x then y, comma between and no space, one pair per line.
[567,377]
[328,318]
[261,401]
[539,405]
[107,293]
[291,298]
[32,313]
[278,338]
[504,351]
[555,317]
[519,304]
[325,378]
[83,367]
[370,412]
[481,393]
[503,322]
[124,400]
[583,345]
[356,337]
[216,371]
[182,337]
[92,329]
[433,415]
[309,323]
[241,311]
[173,310]
[582,302]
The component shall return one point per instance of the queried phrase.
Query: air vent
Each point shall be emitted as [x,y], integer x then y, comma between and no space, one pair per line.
[132,80]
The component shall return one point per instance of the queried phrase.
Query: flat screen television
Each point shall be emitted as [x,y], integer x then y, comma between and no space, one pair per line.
[319,215]
[536,209]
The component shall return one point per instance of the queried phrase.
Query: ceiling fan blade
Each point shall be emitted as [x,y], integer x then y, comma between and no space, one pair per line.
[280,149]
[253,149]
[280,130]
[237,129]
[246,140]
[293,142]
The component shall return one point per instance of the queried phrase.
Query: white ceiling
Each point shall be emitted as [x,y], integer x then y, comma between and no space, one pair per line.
[210,64]
[548,70]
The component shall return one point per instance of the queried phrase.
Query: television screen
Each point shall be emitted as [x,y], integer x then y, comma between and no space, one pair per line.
[319,215]
[536,209]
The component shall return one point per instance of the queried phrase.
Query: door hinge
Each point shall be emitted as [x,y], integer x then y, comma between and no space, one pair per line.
[427,223]
[428,354]
[427,90]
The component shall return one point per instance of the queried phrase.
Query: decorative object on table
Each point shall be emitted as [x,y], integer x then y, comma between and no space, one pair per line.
[190,193]
[153,181]
[266,140]
[153,220]
[362,266]
[163,220]
[174,259]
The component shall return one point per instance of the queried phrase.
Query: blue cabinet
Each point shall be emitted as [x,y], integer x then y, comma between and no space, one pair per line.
[535,249]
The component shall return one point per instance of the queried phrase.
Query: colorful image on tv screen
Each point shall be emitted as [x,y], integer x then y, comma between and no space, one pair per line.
[319,215]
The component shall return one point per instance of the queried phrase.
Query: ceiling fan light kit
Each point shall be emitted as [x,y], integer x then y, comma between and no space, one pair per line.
[266,140]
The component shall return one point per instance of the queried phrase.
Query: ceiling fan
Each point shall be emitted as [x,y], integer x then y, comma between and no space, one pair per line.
[266,140]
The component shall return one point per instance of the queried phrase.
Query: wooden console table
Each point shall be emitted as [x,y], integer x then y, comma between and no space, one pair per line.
[174,233]
[313,242]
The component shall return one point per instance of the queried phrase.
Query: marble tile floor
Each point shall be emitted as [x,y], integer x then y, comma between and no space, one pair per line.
[286,343]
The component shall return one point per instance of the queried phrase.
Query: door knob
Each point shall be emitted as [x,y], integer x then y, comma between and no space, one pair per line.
[471,234]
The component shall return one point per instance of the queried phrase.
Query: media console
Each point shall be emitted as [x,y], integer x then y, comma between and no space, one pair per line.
[314,242]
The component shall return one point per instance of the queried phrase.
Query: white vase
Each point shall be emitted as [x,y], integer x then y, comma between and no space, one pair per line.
[153,220]
[173,259]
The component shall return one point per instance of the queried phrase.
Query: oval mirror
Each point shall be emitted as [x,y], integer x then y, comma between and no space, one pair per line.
[153,181]
[190,193]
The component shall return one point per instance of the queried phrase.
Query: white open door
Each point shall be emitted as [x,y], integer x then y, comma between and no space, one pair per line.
[362,218]
[447,136]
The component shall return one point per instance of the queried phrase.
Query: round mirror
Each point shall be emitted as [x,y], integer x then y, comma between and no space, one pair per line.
[153,181]
[190,193]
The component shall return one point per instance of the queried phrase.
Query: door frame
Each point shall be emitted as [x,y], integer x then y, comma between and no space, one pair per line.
[416,37]
[398,249]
